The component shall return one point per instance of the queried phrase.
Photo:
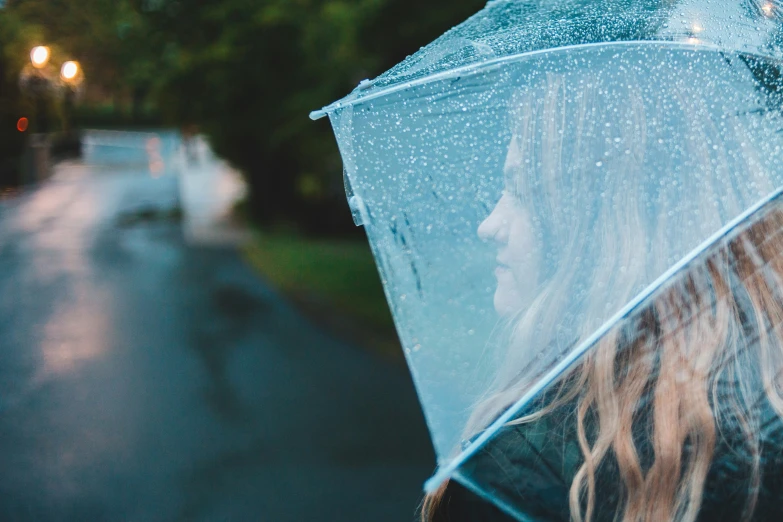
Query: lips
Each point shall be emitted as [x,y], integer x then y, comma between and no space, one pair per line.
[502,269]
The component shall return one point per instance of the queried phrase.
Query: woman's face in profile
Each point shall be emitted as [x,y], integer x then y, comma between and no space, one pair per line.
[509,226]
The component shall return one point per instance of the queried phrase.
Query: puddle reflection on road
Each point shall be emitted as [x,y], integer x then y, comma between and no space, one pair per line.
[77,332]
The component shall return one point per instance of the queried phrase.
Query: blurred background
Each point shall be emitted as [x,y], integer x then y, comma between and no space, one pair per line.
[191,326]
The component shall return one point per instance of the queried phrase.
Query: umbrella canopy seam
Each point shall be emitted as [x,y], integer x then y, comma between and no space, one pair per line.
[361,95]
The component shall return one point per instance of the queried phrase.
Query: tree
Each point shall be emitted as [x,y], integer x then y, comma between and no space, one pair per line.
[13,55]
[249,73]
[110,38]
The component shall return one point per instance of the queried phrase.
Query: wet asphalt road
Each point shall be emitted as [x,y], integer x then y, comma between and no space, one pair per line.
[142,379]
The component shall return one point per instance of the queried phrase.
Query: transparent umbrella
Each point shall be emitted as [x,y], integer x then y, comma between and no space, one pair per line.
[575,211]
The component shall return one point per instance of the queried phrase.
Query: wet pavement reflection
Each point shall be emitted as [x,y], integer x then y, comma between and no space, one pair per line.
[146,379]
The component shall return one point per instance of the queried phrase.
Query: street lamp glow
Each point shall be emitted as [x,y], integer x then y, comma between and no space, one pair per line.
[767,9]
[39,56]
[69,70]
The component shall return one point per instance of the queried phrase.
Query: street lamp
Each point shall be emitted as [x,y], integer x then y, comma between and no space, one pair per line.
[69,72]
[39,56]
[72,76]
[36,81]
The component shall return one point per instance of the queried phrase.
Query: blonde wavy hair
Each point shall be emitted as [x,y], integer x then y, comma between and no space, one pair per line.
[693,360]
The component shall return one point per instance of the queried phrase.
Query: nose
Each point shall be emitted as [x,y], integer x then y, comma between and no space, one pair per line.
[495,226]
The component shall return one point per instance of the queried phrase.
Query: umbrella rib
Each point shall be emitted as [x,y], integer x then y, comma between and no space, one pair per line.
[354,97]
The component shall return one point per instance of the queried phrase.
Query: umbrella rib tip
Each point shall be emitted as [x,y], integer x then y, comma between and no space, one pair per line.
[317,115]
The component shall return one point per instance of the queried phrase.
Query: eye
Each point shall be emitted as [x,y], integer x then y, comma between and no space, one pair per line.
[513,193]
[509,197]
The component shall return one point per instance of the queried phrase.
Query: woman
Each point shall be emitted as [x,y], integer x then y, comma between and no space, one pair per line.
[675,413]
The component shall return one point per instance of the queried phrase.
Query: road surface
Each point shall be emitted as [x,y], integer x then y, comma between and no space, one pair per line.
[146,379]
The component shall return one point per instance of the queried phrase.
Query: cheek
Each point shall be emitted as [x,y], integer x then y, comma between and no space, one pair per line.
[521,241]
[524,254]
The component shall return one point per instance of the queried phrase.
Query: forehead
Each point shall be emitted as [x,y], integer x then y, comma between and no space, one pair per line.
[513,154]
[513,162]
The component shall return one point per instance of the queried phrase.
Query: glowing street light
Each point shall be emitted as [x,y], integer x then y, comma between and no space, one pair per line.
[39,56]
[69,71]
[768,9]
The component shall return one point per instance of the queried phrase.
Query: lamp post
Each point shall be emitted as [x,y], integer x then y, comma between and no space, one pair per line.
[39,56]
[71,76]
[70,72]
[35,81]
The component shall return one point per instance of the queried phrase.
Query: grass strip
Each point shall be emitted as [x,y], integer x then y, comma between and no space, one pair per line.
[341,273]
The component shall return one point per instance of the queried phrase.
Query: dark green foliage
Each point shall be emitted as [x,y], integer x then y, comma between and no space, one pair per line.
[11,109]
[248,73]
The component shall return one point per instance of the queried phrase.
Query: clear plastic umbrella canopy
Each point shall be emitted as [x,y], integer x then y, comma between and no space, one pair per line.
[574,208]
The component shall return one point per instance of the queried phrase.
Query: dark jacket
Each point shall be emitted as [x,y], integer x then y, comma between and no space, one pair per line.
[529,468]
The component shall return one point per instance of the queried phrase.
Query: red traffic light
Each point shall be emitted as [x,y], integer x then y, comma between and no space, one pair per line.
[21,124]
